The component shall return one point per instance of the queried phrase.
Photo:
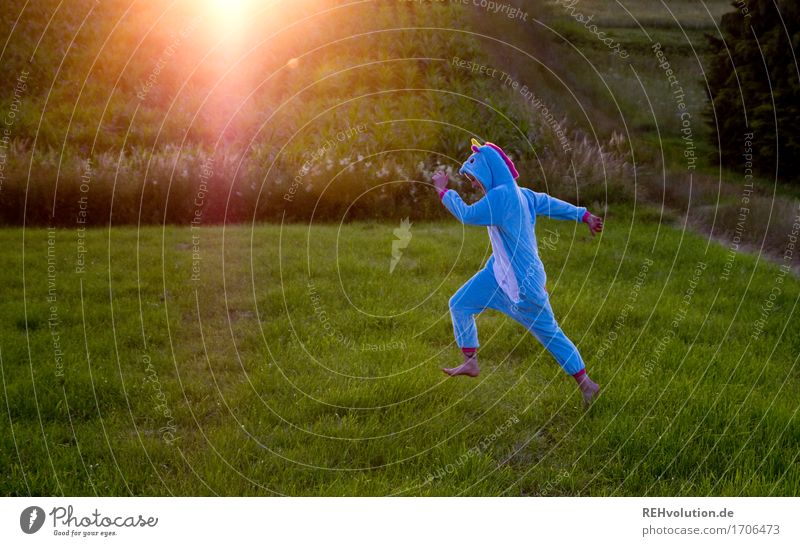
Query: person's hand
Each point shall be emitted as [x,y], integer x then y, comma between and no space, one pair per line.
[440,181]
[595,223]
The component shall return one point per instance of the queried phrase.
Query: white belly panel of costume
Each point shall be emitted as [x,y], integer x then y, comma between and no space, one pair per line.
[503,272]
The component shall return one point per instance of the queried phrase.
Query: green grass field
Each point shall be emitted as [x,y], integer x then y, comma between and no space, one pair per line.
[297,364]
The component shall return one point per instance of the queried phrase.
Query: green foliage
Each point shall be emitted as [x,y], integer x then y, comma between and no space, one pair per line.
[262,121]
[272,385]
[754,84]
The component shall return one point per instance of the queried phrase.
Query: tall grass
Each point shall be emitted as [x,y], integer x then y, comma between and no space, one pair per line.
[192,184]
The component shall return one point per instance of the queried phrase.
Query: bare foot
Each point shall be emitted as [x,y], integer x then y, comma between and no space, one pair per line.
[469,367]
[590,390]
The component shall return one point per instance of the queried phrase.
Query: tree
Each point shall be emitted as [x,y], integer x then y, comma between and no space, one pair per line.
[754,86]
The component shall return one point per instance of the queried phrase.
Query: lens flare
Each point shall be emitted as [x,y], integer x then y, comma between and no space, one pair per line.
[228,16]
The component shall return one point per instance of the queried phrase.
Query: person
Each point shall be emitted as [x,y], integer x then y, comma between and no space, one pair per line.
[513,280]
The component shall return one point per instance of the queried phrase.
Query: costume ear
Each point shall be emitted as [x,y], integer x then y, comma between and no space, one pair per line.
[475,145]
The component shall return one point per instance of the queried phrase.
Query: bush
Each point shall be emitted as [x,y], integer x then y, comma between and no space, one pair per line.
[753,80]
[95,161]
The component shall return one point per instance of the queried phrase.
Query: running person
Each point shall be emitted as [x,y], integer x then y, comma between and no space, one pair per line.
[513,280]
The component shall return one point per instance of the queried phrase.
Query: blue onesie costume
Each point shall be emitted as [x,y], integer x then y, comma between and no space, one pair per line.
[513,280]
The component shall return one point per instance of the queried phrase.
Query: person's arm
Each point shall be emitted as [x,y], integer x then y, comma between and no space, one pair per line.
[546,205]
[485,212]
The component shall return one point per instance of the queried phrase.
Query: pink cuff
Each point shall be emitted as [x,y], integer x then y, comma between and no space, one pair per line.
[586,216]
[442,192]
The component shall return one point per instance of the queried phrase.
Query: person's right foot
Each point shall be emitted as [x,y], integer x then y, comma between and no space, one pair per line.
[468,368]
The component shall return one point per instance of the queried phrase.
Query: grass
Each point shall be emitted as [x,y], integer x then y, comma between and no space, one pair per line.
[653,13]
[649,107]
[250,381]
[627,107]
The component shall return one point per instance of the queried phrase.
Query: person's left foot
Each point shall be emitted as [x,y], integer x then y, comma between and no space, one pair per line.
[468,368]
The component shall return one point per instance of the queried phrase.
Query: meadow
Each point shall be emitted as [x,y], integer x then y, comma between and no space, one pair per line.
[271,349]
[289,360]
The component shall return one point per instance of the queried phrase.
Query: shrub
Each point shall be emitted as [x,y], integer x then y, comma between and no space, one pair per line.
[753,82]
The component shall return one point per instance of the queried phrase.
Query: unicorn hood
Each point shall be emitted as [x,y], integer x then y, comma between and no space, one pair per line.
[490,165]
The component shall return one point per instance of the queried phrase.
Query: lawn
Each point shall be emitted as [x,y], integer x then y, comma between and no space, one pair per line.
[689,14]
[289,360]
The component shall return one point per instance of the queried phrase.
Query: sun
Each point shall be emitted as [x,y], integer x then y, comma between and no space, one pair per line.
[228,15]
[237,20]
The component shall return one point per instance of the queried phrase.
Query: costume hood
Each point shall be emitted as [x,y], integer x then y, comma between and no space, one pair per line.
[490,165]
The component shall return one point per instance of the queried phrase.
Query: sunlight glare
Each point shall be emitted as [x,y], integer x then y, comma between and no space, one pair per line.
[229,16]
